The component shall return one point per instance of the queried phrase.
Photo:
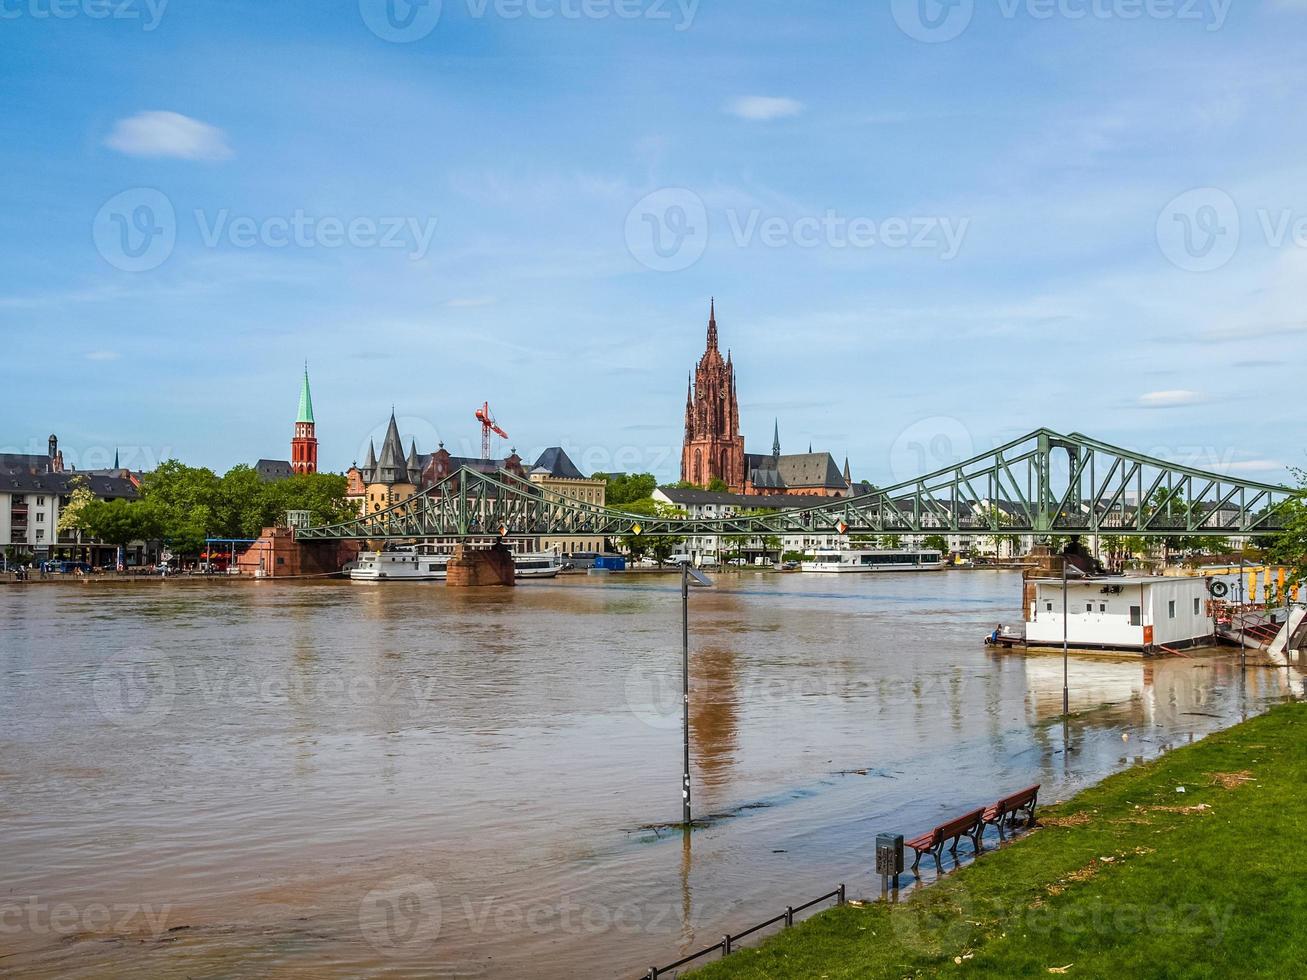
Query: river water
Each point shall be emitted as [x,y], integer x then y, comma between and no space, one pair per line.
[329,779]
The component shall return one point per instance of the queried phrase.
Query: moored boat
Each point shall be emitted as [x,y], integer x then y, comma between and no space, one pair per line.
[898,560]
[400,565]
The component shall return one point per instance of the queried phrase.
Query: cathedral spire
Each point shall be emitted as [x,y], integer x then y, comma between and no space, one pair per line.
[776,440]
[712,323]
[848,474]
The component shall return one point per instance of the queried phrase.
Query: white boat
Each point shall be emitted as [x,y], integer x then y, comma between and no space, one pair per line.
[423,564]
[544,564]
[901,560]
[400,565]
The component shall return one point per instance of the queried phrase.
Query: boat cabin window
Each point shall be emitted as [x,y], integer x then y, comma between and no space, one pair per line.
[1198,606]
[1136,616]
[1170,609]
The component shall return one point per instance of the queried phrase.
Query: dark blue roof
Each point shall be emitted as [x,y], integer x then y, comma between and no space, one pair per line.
[558,464]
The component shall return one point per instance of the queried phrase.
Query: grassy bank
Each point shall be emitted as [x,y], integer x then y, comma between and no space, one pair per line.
[1129,879]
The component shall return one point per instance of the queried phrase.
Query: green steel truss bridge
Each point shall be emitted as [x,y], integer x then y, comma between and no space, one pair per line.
[1042,484]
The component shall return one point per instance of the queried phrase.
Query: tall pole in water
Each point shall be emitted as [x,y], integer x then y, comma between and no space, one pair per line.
[1066,644]
[1243,642]
[685,692]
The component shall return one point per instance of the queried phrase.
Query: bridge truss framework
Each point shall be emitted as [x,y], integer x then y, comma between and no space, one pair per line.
[1042,484]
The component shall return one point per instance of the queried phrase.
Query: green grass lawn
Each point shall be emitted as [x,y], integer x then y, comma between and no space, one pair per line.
[1128,879]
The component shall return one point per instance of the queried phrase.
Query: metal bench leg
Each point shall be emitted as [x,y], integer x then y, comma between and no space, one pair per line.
[939,867]
[916,861]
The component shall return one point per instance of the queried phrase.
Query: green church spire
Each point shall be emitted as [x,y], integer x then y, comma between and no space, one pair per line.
[306,399]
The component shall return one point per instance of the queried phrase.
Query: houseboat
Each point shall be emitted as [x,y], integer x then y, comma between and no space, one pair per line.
[902,560]
[1143,615]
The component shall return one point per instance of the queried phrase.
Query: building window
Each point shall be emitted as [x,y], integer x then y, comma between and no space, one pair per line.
[1136,616]
[1198,606]
[40,517]
[1170,609]
[1050,607]
[1102,607]
[1089,607]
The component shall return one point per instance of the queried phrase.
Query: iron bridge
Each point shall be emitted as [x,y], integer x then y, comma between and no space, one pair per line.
[1043,484]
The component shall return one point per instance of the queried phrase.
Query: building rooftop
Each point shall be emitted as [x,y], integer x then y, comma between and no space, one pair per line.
[272,470]
[105,487]
[558,464]
[749,501]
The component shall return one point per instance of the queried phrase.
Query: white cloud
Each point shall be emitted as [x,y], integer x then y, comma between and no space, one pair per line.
[168,134]
[1253,466]
[762,108]
[1170,399]
[102,355]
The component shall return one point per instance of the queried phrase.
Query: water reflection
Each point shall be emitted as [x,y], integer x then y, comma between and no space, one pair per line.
[281,764]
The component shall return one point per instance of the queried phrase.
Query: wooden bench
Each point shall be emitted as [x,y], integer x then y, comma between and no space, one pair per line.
[1010,808]
[970,825]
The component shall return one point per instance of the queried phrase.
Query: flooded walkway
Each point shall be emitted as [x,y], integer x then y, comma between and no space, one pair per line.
[341,780]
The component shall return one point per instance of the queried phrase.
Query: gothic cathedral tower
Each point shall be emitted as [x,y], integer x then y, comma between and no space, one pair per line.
[304,447]
[714,448]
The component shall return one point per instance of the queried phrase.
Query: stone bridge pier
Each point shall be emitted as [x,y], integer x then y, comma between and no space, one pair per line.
[476,567]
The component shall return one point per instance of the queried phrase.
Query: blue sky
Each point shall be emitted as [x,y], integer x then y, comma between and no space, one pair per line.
[1084,214]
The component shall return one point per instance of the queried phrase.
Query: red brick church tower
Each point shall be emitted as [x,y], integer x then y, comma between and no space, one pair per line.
[714,448]
[304,447]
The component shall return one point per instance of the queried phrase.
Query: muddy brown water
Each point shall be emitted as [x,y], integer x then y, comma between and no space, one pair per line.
[355,780]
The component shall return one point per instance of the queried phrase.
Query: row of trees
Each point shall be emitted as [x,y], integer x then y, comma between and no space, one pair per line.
[183,505]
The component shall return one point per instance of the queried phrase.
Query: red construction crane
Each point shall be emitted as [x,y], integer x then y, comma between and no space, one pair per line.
[488,425]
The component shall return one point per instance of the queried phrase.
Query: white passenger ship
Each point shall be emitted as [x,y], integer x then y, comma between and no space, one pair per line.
[420,564]
[424,564]
[903,560]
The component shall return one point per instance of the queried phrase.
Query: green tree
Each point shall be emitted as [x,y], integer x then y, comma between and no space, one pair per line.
[186,501]
[936,542]
[121,522]
[71,513]
[625,488]
[1290,545]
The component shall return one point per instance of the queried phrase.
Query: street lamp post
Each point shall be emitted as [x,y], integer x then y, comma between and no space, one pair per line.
[1066,645]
